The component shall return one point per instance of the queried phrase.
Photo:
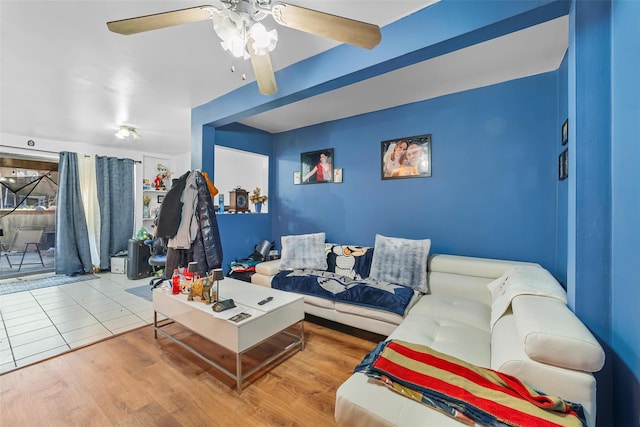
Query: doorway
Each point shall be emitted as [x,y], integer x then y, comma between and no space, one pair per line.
[28,194]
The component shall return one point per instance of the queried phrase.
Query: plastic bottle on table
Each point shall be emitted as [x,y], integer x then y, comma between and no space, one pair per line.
[175,282]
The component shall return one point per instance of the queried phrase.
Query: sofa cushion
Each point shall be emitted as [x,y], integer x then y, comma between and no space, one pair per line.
[349,260]
[318,302]
[471,266]
[466,342]
[268,268]
[363,403]
[552,334]
[368,312]
[456,285]
[401,261]
[303,251]
[470,312]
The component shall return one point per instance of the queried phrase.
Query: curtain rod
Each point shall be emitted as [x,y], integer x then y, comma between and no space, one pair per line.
[134,161]
[27,150]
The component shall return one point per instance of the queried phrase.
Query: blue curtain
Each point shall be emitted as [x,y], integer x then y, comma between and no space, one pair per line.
[115,182]
[73,254]
[115,178]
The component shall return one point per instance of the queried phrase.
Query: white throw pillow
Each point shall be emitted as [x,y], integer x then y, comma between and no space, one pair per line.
[401,261]
[303,251]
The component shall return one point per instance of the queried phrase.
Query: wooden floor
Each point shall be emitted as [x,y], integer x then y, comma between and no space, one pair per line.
[134,380]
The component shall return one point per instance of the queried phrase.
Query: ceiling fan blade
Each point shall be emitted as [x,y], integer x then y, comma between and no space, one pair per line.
[160,20]
[264,73]
[338,28]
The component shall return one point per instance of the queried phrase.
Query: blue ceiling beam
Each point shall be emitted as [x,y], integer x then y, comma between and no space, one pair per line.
[442,28]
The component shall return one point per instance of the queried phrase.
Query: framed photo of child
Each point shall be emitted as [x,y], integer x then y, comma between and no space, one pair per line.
[408,157]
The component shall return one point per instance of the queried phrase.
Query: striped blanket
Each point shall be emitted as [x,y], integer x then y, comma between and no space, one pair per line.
[466,392]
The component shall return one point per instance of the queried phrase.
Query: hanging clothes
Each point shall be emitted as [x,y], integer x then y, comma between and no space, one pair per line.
[188,228]
[178,215]
[208,249]
[171,209]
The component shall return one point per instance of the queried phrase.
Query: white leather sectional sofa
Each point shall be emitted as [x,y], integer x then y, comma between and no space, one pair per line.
[537,339]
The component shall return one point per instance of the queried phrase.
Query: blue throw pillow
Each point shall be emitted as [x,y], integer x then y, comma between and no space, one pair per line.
[401,261]
[303,251]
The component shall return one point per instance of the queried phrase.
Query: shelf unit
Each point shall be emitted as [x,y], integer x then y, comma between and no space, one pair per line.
[154,206]
[150,171]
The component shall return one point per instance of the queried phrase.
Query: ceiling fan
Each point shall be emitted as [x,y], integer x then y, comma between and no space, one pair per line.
[237,23]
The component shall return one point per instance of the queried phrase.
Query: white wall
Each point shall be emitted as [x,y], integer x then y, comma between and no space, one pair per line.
[237,168]
[50,149]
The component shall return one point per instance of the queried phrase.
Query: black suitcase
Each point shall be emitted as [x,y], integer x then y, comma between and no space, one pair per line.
[138,260]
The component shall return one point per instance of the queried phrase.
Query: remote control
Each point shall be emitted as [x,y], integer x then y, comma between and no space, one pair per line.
[264,301]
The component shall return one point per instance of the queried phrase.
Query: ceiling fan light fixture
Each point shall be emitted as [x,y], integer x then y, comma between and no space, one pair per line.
[235,22]
[122,133]
[230,27]
[263,41]
[235,45]
[127,132]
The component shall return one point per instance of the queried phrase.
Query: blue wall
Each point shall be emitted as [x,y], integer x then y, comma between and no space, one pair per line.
[239,233]
[563,186]
[493,187]
[625,236]
[589,196]
[495,164]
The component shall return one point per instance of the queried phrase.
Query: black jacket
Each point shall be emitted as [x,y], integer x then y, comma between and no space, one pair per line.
[171,209]
[206,249]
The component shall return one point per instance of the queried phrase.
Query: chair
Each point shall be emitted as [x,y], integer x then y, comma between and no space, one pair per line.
[22,239]
[157,260]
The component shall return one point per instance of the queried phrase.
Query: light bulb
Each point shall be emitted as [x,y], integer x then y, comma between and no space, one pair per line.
[263,41]
[122,133]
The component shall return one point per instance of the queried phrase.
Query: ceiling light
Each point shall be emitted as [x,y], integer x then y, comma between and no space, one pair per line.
[263,41]
[234,27]
[127,132]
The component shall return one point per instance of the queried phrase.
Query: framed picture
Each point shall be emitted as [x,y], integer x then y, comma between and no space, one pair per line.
[296,178]
[406,157]
[316,166]
[160,198]
[565,132]
[337,175]
[563,165]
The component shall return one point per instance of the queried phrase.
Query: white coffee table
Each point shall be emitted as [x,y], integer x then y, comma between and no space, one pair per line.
[265,322]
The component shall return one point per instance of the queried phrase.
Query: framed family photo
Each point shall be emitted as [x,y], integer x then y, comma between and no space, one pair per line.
[316,166]
[408,157]
[563,165]
[337,175]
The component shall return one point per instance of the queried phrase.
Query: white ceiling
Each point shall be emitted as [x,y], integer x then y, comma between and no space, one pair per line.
[65,77]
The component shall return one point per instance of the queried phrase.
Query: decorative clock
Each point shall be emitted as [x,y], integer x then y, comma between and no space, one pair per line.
[238,200]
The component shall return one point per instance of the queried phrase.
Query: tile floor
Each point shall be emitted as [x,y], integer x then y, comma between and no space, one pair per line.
[38,324]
